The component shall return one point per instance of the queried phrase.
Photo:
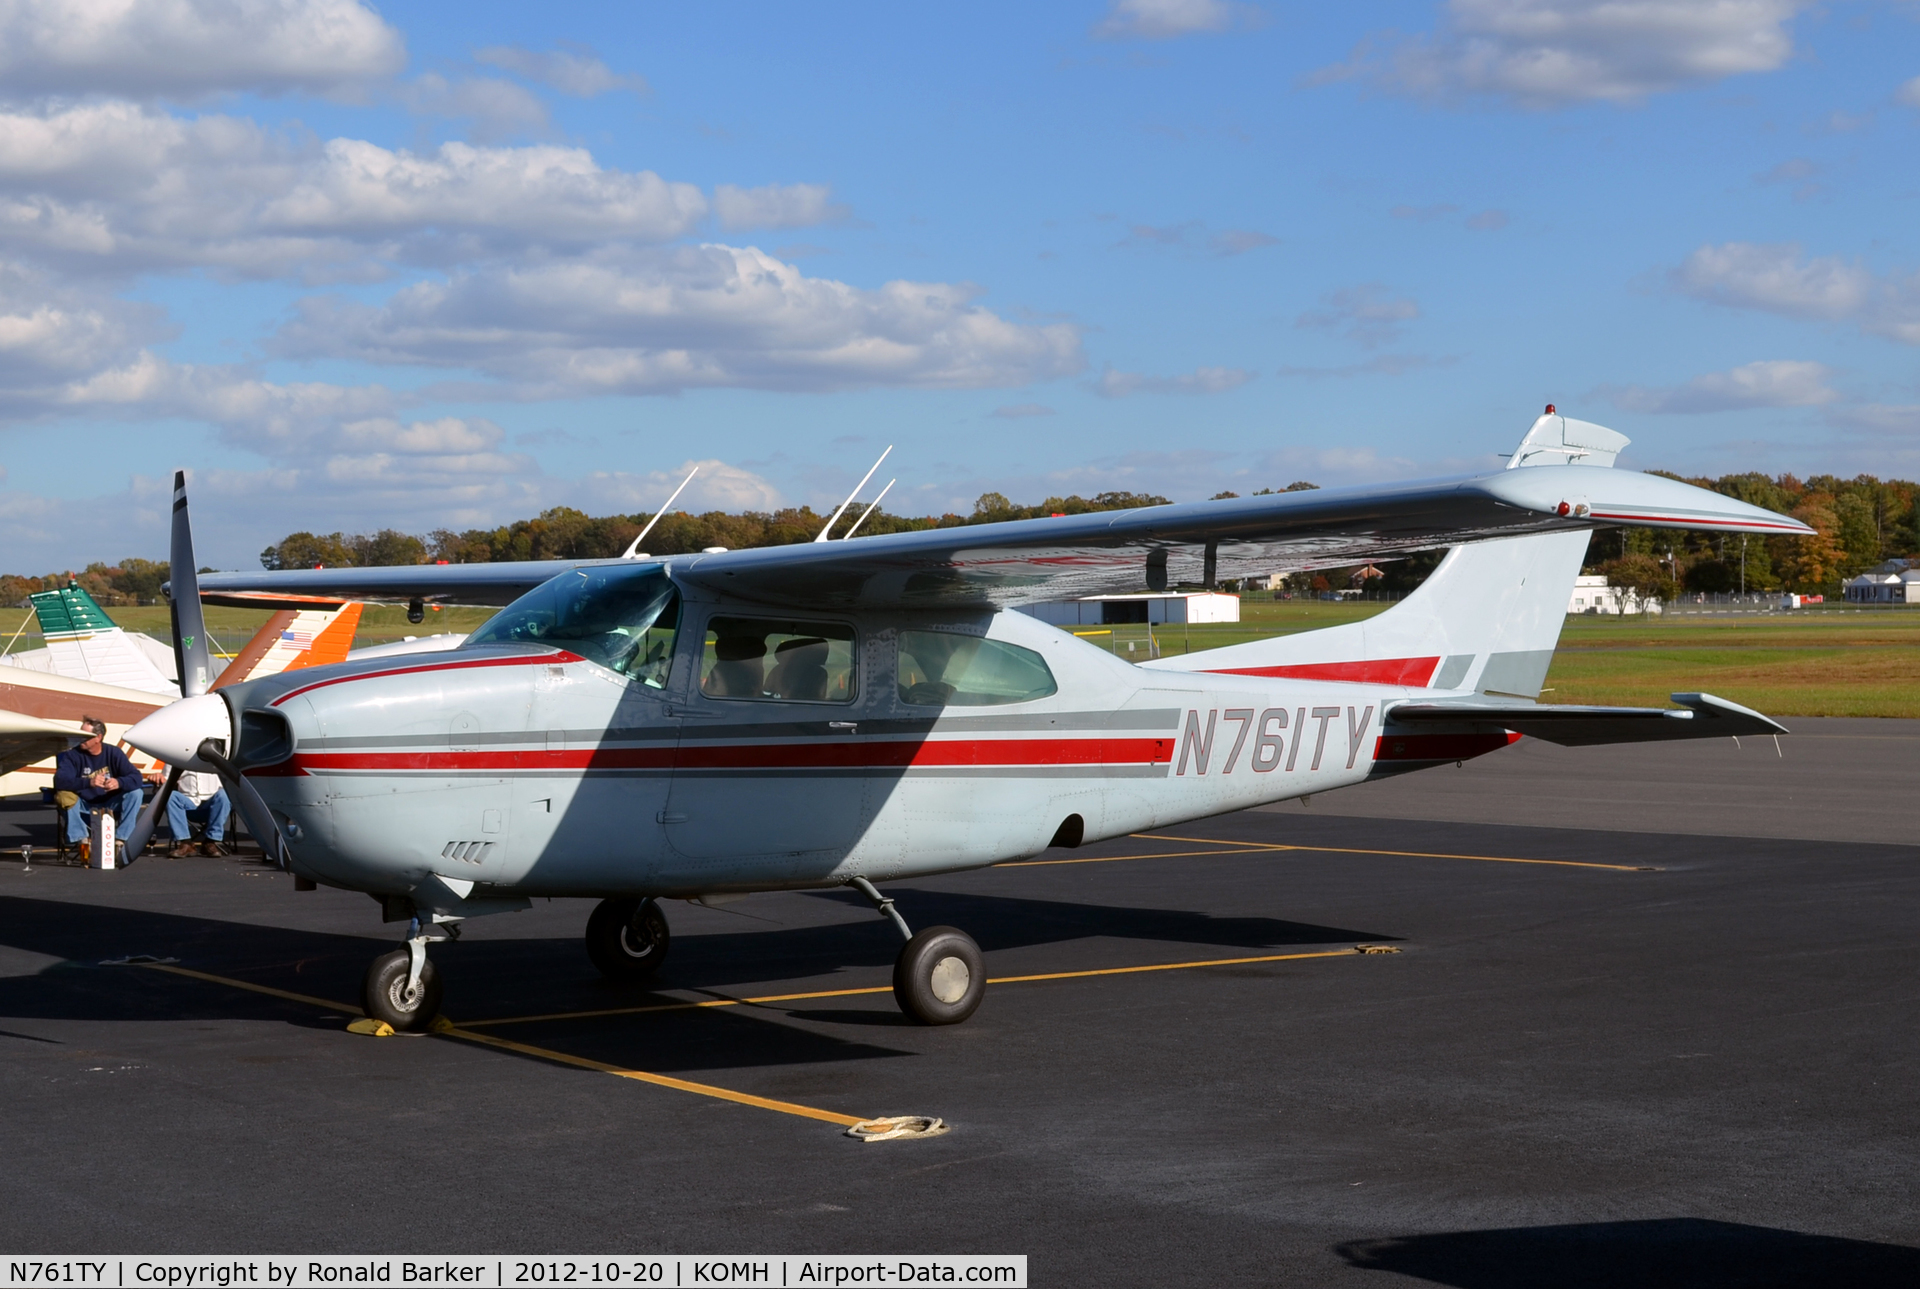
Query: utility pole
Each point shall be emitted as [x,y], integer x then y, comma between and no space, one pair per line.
[1743,565]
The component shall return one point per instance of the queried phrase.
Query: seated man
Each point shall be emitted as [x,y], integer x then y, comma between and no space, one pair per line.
[102,778]
[198,793]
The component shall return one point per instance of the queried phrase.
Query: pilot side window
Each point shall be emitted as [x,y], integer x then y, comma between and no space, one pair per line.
[944,669]
[623,617]
[772,660]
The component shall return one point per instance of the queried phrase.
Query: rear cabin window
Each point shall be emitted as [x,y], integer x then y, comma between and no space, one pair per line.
[774,660]
[941,669]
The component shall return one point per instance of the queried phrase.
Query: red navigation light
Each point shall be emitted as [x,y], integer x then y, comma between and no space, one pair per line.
[1565,509]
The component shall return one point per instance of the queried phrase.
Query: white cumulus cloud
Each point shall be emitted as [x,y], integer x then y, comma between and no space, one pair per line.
[118,188]
[1168,19]
[718,486]
[1776,383]
[654,321]
[776,206]
[1201,380]
[188,49]
[493,107]
[1547,53]
[1365,313]
[575,72]
[1775,278]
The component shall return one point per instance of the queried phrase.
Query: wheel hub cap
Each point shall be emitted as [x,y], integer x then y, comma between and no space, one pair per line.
[950,980]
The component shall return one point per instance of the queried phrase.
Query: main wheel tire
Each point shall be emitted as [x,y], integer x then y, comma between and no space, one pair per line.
[940,977]
[385,992]
[627,939]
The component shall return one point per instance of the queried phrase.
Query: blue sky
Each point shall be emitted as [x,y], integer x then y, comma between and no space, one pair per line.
[435,265]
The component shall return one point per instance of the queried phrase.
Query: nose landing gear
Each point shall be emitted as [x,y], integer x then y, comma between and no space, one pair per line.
[402,988]
[939,977]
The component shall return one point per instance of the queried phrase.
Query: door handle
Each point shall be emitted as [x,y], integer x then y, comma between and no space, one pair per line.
[843,725]
[670,817]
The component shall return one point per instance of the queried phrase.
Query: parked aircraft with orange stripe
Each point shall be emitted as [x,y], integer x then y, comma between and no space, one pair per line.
[853,712]
[91,667]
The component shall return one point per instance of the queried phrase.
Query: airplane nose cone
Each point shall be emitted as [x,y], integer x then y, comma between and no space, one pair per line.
[174,733]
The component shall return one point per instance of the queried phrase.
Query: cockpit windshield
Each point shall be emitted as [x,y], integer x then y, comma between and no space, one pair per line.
[620,616]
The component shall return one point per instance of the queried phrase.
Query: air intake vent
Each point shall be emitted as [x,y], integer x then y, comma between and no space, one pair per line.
[467,852]
[265,738]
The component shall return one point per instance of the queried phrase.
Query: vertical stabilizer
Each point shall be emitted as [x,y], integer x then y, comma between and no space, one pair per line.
[83,643]
[1487,620]
[297,635]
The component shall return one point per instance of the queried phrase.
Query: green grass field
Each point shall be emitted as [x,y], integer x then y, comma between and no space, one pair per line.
[1807,662]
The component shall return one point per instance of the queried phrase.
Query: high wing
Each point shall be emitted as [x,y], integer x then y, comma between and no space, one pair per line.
[26,739]
[1008,564]
[1699,716]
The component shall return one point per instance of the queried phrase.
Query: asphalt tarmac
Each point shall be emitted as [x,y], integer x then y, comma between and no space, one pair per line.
[1600,1055]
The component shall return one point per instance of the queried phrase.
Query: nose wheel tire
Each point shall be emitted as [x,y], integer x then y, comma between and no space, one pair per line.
[385,994]
[627,939]
[940,977]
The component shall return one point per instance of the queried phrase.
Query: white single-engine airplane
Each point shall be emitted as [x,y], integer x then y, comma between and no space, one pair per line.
[849,713]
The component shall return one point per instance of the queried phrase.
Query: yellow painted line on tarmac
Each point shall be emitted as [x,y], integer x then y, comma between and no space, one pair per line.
[1252,849]
[309,999]
[1175,966]
[658,1080]
[887,989]
[677,1007]
[1246,846]
[545,1054]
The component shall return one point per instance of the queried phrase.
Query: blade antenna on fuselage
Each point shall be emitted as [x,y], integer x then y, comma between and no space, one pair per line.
[633,547]
[869,510]
[850,496]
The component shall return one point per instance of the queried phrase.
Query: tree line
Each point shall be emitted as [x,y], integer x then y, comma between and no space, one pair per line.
[566,533]
[1857,522]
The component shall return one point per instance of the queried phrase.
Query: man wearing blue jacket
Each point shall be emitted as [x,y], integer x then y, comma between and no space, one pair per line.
[102,778]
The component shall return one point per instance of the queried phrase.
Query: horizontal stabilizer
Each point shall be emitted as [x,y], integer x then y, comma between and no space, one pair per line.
[1699,716]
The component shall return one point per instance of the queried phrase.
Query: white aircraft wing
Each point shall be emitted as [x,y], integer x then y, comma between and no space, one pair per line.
[26,739]
[1001,565]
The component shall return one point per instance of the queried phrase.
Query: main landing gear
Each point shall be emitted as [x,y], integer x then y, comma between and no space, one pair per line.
[627,938]
[401,987]
[939,977]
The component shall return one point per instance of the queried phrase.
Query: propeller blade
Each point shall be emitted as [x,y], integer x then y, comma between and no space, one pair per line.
[136,840]
[247,800]
[190,653]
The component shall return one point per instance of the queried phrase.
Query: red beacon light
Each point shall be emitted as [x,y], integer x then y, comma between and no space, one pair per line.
[1550,410]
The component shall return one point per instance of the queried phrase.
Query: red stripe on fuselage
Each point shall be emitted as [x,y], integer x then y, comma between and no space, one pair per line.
[1697,521]
[546,658]
[765,756]
[1378,671]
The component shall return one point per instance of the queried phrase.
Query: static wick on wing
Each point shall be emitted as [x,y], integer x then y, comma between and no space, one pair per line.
[633,548]
[850,496]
